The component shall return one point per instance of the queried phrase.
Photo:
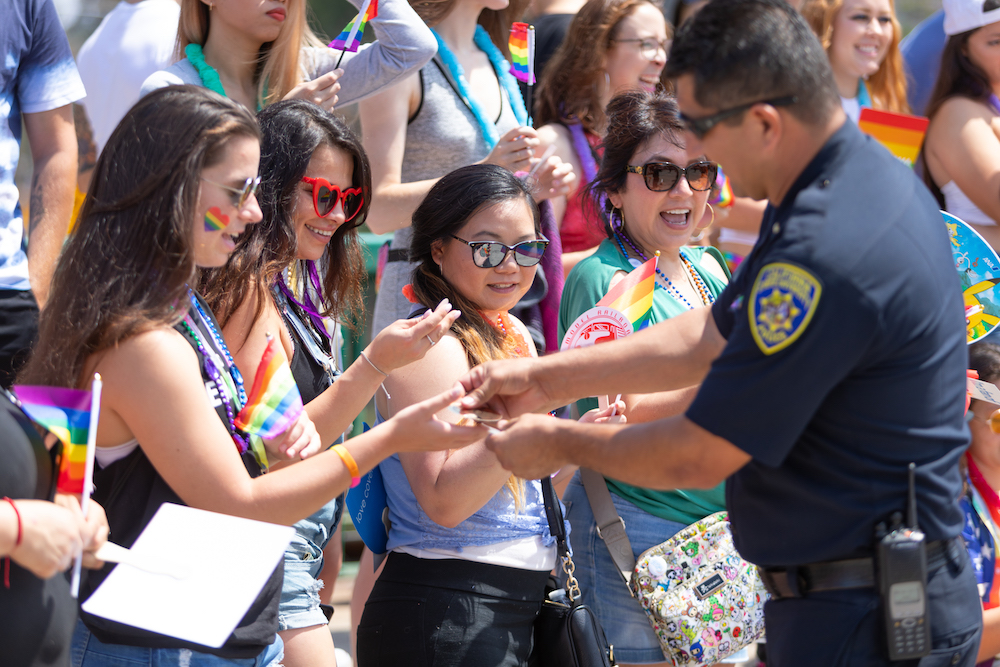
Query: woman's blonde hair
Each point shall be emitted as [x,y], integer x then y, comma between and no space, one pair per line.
[496,22]
[887,86]
[279,63]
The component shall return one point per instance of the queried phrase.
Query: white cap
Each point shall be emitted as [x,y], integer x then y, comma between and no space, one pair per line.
[964,15]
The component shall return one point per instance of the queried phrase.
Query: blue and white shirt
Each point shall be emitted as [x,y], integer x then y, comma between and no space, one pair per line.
[37,73]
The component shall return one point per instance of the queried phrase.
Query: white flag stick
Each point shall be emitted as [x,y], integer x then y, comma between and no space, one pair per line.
[88,471]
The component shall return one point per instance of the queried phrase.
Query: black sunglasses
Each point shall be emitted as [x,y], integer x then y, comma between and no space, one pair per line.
[699,127]
[663,176]
[488,254]
[990,5]
[240,195]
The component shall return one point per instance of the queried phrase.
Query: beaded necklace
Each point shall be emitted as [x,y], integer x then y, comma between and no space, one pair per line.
[706,296]
[500,66]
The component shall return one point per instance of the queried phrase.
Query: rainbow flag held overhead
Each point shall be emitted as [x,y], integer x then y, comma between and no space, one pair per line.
[522,52]
[632,296]
[274,401]
[901,133]
[66,414]
[350,38]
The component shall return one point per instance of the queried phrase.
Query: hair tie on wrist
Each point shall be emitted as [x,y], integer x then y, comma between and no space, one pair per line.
[350,463]
[17,542]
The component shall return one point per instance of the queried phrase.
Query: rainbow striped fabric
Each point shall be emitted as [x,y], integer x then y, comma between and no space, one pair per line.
[725,197]
[632,296]
[274,401]
[901,133]
[522,52]
[350,38]
[66,414]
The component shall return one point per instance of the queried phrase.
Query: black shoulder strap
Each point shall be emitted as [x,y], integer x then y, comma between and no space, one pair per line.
[553,512]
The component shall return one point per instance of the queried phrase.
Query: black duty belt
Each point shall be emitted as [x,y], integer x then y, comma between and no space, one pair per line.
[398,255]
[797,581]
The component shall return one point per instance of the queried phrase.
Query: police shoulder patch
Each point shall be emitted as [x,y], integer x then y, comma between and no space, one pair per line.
[782,302]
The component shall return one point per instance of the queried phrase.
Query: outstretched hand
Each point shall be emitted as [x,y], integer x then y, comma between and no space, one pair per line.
[528,446]
[321,91]
[299,441]
[406,341]
[507,387]
[419,429]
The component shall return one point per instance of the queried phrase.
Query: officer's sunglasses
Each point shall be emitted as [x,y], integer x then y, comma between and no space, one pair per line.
[489,254]
[326,195]
[699,127]
[240,195]
[663,176]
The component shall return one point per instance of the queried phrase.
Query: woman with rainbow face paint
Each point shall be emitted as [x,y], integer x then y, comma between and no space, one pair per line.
[182,161]
[302,264]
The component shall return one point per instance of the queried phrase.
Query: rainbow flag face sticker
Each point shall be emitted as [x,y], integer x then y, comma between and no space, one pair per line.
[350,38]
[522,52]
[66,414]
[214,220]
[633,295]
[274,401]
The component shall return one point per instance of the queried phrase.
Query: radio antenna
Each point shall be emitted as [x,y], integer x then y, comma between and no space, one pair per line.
[911,509]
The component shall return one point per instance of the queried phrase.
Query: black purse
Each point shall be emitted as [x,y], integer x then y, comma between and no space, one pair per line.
[567,633]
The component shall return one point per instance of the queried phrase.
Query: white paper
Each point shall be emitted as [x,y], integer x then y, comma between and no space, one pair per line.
[983,391]
[227,561]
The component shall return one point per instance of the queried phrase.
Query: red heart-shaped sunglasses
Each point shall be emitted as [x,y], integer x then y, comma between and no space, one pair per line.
[326,195]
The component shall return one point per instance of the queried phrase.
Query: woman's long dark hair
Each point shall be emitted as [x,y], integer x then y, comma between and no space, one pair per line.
[446,208]
[128,263]
[634,117]
[291,132]
[957,77]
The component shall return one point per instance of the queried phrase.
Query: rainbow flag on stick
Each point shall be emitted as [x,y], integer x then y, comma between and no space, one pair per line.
[902,134]
[522,52]
[66,414]
[632,296]
[274,401]
[350,38]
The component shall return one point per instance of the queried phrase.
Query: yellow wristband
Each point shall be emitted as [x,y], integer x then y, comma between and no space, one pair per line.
[350,463]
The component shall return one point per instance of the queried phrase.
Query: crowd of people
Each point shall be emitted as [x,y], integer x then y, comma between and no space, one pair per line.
[220,184]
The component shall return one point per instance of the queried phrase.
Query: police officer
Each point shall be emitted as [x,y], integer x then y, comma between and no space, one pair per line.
[834,358]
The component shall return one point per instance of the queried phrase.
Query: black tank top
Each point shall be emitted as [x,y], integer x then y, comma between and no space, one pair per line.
[131,491]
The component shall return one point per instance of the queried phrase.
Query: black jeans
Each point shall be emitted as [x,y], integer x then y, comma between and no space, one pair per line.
[18,332]
[449,613]
[846,628]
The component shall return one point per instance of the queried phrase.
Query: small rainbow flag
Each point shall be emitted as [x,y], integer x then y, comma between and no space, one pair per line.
[274,401]
[725,197]
[522,52]
[66,414]
[901,133]
[350,38]
[633,295]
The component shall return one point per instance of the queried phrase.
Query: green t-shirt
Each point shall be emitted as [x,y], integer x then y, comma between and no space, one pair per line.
[587,283]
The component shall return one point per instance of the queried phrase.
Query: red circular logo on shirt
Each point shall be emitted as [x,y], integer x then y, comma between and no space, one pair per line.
[600,324]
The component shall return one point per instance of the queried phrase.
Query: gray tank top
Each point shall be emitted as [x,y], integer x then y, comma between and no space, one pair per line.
[442,136]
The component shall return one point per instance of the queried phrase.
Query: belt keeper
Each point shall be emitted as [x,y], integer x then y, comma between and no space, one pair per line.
[796,581]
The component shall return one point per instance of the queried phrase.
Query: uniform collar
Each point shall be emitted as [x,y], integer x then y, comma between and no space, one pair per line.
[826,163]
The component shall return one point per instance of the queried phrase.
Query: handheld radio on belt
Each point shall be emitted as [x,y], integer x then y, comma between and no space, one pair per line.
[902,577]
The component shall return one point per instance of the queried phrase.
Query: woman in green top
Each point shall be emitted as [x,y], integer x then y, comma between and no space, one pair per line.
[654,196]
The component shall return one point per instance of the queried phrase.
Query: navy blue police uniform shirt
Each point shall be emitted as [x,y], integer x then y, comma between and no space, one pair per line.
[845,360]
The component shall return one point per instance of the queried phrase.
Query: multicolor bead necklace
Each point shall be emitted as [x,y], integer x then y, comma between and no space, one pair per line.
[696,281]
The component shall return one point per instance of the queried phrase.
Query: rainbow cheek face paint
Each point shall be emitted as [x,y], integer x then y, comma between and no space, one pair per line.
[215,220]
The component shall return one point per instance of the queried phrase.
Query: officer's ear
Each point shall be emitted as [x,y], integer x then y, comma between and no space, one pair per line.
[770,125]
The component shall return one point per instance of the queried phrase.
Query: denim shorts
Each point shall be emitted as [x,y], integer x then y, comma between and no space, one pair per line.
[88,651]
[299,605]
[622,617]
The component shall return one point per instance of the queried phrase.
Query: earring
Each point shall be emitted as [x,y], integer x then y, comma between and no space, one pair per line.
[704,230]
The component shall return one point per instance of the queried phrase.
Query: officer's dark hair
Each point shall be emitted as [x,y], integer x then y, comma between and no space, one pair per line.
[741,51]
[634,118]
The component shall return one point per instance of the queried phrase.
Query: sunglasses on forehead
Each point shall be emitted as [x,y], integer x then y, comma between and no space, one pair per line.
[663,176]
[240,195]
[326,195]
[488,254]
